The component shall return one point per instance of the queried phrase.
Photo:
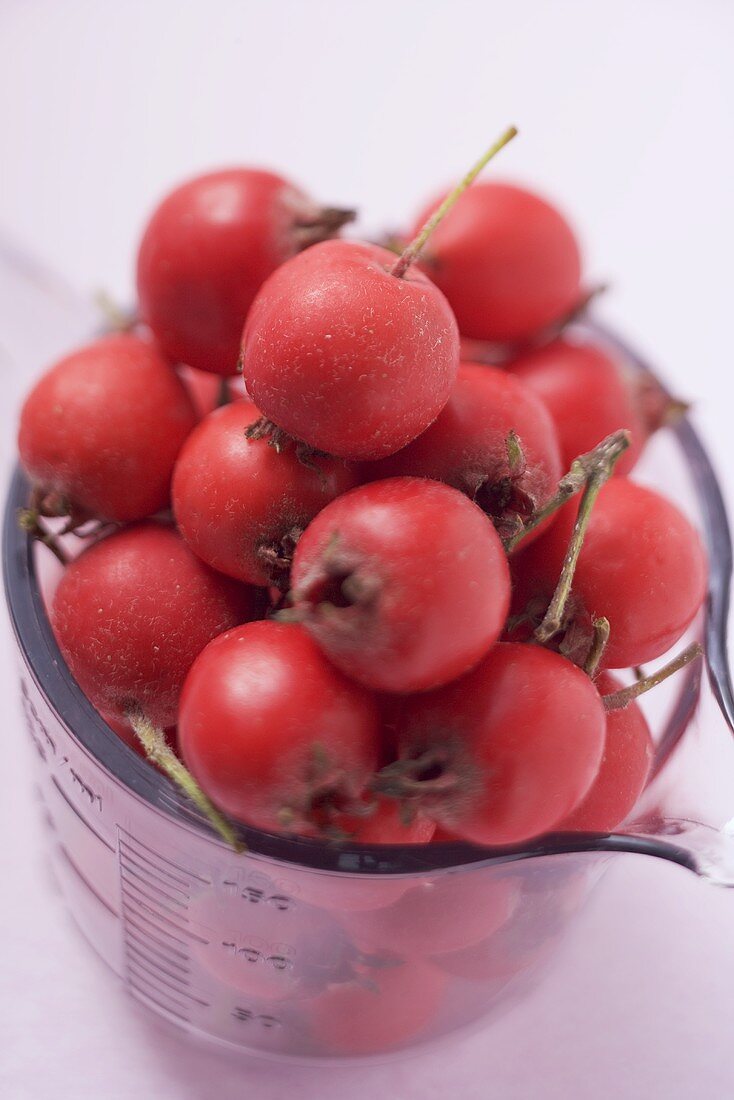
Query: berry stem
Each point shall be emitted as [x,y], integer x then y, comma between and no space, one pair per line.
[604,455]
[30,521]
[598,645]
[602,471]
[116,318]
[622,698]
[158,752]
[414,249]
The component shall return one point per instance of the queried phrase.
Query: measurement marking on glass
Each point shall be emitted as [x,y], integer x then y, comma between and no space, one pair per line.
[152,903]
[135,845]
[159,870]
[161,1004]
[146,932]
[83,819]
[180,901]
[143,870]
[163,956]
[143,974]
[172,969]
[132,886]
[147,914]
[92,889]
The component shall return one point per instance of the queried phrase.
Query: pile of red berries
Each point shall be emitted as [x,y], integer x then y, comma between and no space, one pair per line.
[363,593]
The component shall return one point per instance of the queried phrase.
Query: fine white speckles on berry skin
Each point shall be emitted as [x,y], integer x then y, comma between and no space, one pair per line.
[342,354]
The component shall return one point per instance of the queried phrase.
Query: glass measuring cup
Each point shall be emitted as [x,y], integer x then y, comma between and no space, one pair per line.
[298,949]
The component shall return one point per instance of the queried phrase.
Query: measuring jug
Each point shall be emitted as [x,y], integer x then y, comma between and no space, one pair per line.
[307,950]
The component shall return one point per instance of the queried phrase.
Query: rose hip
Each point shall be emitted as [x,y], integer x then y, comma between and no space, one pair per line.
[494,440]
[207,249]
[100,432]
[275,735]
[403,583]
[240,505]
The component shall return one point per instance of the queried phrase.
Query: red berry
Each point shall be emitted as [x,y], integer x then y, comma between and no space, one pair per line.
[385,824]
[588,395]
[207,249]
[205,389]
[625,766]
[240,505]
[403,583]
[378,1010]
[468,447]
[505,753]
[103,427]
[444,913]
[273,733]
[344,355]
[506,260]
[132,613]
[641,566]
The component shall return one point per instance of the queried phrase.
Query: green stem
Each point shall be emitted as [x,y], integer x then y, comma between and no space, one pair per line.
[553,619]
[414,249]
[605,453]
[30,521]
[598,645]
[622,698]
[158,752]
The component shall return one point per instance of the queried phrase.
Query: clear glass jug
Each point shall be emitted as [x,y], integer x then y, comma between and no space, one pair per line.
[298,949]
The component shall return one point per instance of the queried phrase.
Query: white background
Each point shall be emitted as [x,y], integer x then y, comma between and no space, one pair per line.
[626,113]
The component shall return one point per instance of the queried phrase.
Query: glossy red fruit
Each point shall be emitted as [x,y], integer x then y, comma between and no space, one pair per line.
[642,566]
[507,261]
[275,735]
[379,1010]
[444,913]
[345,356]
[624,769]
[587,393]
[470,446]
[403,583]
[131,614]
[506,752]
[207,249]
[240,505]
[386,825]
[102,428]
